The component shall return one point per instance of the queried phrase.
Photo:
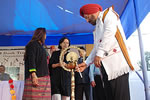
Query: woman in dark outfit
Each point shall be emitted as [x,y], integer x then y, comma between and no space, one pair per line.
[60,79]
[37,80]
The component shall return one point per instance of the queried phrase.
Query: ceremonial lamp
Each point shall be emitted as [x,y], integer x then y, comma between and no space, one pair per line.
[72,62]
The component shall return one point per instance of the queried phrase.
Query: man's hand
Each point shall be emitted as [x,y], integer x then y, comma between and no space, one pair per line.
[81,67]
[93,84]
[97,61]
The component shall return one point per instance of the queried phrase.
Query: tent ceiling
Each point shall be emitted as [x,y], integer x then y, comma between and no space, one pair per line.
[22,17]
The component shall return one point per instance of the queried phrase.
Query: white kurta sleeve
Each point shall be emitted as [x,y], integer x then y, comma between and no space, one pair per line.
[90,58]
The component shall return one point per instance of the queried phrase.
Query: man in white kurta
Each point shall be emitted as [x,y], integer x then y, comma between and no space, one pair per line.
[110,52]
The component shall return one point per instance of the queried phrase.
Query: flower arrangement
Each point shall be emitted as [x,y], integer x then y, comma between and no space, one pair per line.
[12,91]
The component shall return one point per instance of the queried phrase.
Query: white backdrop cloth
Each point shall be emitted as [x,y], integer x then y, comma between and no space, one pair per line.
[5,90]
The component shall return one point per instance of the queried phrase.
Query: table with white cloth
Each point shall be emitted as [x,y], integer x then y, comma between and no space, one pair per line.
[5,90]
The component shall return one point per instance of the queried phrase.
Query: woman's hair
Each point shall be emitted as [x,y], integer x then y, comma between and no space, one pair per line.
[62,40]
[81,47]
[39,34]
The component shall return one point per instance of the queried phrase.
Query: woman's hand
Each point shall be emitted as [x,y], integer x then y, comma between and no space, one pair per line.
[56,65]
[34,79]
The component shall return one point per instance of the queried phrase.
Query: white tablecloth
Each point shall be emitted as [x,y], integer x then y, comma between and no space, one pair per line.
[5,90]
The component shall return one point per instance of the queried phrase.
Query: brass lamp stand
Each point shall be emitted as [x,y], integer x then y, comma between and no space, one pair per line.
[72,59]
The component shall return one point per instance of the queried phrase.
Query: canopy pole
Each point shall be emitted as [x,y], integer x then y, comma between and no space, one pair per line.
[144,67]
[143,62]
